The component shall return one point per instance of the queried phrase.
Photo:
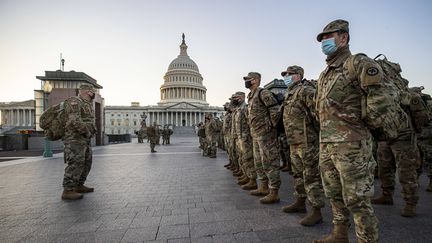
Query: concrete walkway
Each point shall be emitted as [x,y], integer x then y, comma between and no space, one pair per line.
[174,195]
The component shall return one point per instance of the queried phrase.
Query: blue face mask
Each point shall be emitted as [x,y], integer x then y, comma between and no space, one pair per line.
[288,80]
[328,46]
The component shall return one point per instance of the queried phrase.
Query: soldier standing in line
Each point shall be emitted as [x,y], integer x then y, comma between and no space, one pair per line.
[244,147]
[152,134]
[78,131]
[158,134]
[225,131]
[202,138]
[400,154]
[263,117]
[302,132]
[211,131]
[349,105]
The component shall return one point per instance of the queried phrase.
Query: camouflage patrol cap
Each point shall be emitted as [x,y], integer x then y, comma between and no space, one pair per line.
[238,94]
[252,75]
[293,69]
[334,26]
[87,87]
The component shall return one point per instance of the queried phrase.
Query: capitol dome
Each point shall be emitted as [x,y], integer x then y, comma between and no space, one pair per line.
[183,81]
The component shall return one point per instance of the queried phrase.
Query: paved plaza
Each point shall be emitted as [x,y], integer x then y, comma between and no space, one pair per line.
[174,195]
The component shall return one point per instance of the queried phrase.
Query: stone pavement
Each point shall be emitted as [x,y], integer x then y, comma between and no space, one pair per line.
[174,195]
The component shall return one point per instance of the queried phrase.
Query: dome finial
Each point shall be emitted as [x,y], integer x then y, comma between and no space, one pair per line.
[183,46]
[183,37]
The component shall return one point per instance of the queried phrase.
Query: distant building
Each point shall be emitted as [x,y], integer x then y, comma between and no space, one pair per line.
[20,114]
[182,100]
[65,85]
[277,86]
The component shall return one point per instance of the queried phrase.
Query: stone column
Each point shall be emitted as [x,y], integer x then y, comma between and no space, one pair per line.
[181,118]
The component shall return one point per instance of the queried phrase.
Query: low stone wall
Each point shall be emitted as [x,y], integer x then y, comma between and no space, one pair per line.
[37,143]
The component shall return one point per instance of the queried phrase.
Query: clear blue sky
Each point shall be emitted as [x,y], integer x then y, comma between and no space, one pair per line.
[127,45]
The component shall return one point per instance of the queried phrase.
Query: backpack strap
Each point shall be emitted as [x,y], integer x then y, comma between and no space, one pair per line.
[349,63]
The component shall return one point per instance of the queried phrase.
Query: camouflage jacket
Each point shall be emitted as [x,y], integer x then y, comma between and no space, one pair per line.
[340,96]
[152,131]
[80,119]
[262,116]
[299,120]
[226,128]
[240,126]
[211,128]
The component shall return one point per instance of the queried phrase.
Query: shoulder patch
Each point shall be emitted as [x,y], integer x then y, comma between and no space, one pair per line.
[372,71]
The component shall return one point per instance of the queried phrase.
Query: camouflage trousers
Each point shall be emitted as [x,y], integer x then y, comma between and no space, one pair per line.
[153,142]
[306,174]
[246,159]
[425,148]
[211,145]
[347,172]
[233,153]
[284,150]
[266,158]
[403,157]
[78,159]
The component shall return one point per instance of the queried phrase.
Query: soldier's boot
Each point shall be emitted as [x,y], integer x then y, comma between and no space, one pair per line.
[299,206]
[262,190]
[313,218]
[272,197]
[429,188]
[238,173]
[251,185]
[385,199]
[71,195]
[339,235]
[409,210]
[227,165]
[242,180]
[83,189]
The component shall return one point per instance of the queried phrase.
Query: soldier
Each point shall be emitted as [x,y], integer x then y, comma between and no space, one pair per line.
[243,139]
[202,138]
[165,134]
[302,131]
[402,155]
[153,135]
[226,127]
[349,104]
[78,130]
[158,134]
[170,132]
[211,131]
[263,117]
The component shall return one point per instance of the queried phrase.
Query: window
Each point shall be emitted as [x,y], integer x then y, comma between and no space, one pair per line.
[135,123]
[127,114]
[112,122]
[112,114]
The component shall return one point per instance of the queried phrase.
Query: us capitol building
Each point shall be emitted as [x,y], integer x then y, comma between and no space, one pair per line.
[182,100]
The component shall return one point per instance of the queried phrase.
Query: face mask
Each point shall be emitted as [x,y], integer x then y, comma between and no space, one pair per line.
[288,80]
[93,96]
[248,84]
[235,102]
[328,46]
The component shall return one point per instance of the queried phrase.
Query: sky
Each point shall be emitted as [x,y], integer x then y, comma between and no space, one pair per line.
[127,45]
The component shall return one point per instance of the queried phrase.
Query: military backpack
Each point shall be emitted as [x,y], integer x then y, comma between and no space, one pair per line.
[53,122]
[410,101]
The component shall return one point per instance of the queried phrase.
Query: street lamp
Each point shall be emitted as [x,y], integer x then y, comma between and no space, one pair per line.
[47,145]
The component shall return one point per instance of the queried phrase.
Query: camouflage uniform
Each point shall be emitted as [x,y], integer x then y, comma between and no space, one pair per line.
[202,138]
[153,135]
[211,131]
[241,133]
[302,132]
[226,131]
[348,105]
[263,118]
[79,128]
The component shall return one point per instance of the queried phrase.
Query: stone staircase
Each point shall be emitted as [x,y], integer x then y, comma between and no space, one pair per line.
[184,131]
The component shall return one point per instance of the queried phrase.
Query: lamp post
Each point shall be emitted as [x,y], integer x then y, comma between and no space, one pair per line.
[47,145]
